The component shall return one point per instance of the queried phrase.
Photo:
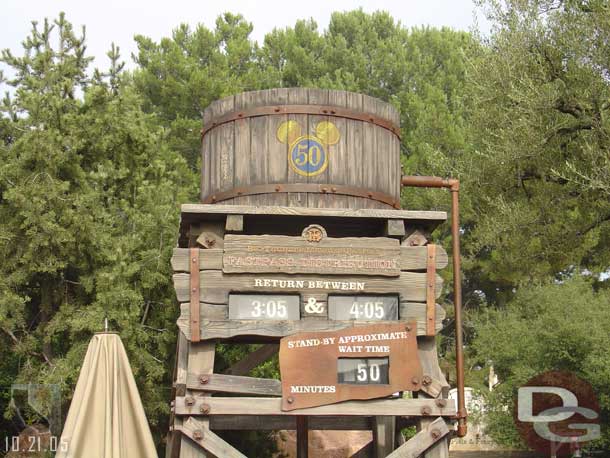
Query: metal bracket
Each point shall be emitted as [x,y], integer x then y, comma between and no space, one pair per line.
[194,291]
[430,290]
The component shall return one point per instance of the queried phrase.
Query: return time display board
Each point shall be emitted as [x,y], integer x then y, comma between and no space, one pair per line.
[362,362]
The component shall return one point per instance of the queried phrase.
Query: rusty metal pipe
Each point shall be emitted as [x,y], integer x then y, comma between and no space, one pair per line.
[454,186]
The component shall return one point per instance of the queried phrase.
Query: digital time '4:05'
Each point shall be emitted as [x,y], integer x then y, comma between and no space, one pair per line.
[363,308]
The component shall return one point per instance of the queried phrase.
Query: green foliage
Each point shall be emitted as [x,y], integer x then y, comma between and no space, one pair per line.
[89,195]
[420,71]
[538,169]
[545,327]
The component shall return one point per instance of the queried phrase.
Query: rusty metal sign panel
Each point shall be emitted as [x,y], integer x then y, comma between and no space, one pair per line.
[363,362]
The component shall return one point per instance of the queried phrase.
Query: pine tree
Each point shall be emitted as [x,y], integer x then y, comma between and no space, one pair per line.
[89,195]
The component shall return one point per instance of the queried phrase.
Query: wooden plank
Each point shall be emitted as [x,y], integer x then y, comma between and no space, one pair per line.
[213,312]
[423,440]
[201,360]
[411,258]
[259,156]
[225,329]
[277,422]
[242,149]
[383,435]
[200,433]
[224,150]
[430,299]
[272,406]
[297,96]
[338,153]
[234,223]
[440,449]
[253,359]
[318,97]
[194,283]
[428,357]
[234,384]
[356,143]
[211,209]
[181,364]
[276,151]
[285,254]
[216,285]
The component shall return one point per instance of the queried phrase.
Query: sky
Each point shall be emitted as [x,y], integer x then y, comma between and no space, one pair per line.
[113,20]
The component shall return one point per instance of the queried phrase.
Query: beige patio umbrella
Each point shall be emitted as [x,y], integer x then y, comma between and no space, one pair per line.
[106,418]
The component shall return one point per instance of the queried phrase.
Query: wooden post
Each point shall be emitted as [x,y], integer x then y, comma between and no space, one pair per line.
[383,436]
[302,437]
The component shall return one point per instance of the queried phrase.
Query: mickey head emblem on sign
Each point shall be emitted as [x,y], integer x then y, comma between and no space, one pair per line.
[307,154]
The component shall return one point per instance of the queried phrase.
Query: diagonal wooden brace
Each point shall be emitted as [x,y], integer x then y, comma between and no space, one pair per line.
[199,431]
[430,290]
[422,441]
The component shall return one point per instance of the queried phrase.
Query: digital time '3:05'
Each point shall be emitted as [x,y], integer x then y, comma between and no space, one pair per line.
[271,308]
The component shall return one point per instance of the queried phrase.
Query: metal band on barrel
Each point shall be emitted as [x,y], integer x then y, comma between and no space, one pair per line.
[317,110]
[305,188]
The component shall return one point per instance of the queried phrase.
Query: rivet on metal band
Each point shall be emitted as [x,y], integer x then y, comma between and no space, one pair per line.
[316,110]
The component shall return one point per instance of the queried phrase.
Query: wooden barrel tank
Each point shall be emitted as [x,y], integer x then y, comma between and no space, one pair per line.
[303,148]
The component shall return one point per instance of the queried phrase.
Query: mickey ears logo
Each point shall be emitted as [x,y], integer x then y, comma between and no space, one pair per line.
[306,153]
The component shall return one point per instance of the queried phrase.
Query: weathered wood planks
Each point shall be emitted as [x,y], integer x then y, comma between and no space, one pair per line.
[285,254]
[277,422]
[332,136]
[234,384]
[411,258]
[272,406]
[220,209]
[219,329]
[216,285]
[433,432]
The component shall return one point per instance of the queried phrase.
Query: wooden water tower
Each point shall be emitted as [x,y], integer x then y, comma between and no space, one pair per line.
[300,233]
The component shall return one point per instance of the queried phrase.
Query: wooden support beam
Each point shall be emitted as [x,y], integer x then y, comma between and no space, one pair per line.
[383,436]
[423,440]
[254,359]
[302,437]
[272,406]
[440,449]
[234,384]
[182,352]
[277,422]
[395,228]
[235,223]
[428,357]
[199,432]
[200,359]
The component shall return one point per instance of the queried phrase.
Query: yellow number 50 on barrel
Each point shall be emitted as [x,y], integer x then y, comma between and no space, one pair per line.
[307,154]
